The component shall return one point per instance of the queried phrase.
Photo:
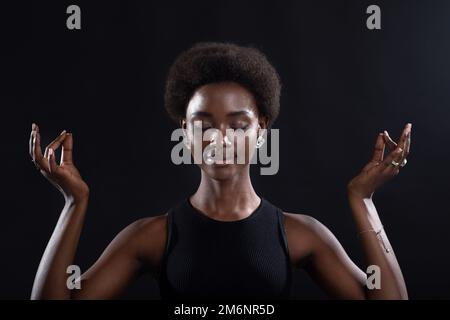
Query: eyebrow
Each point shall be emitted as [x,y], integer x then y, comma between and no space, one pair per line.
[231,114]
[238,113]
[201,114]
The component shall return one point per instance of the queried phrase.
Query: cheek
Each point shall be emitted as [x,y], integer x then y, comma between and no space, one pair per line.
[197,148]
[245,148]
[196,142]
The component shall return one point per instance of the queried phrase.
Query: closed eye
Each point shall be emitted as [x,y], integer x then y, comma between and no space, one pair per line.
[242,127]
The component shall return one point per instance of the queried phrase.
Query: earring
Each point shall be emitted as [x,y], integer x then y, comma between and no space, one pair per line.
[186,141]
[259,142]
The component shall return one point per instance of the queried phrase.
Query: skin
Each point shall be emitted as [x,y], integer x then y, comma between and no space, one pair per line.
[225,193]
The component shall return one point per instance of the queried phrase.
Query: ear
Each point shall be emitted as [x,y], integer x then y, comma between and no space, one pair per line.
[183,123]
[183,126]
[263,123]
[185,136]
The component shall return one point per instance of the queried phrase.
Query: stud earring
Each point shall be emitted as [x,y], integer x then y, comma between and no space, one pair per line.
[186,141]
[259,142]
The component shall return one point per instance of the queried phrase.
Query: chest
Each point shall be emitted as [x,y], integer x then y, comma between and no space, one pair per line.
[244,261]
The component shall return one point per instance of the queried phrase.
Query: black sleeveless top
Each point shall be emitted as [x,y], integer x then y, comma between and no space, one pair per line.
[210,259]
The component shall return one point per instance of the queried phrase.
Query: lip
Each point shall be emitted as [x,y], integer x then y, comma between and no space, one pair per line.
[222,163]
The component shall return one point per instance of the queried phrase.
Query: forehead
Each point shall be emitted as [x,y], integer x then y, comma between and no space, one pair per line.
[222,98]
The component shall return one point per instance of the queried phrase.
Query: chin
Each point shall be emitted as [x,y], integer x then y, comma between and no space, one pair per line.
[222,172]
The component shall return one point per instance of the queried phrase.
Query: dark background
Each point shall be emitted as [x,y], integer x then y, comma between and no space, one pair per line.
[342,85]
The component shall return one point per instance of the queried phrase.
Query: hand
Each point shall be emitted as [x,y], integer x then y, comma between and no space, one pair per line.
[65,176]
[379,171]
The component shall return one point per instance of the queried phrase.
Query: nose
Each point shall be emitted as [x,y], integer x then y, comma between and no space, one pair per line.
[220,139]
[220,146]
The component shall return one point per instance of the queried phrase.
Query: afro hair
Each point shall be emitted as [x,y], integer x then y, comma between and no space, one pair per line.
[211,62]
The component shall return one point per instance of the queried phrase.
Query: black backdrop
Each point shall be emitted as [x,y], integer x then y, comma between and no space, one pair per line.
[342,84]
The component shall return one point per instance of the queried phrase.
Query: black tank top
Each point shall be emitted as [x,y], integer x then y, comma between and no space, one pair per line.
[210,259]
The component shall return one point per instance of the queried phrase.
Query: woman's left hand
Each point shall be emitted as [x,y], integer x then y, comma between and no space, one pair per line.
[379,171]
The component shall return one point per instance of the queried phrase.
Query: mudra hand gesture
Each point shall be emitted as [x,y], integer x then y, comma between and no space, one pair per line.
[380,170]
[64,176]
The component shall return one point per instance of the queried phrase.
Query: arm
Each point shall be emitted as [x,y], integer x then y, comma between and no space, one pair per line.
[129,254]
[314,247]
[122,260]
[137,248]
[327,262]
[373,238]
[377,250]
[51,276]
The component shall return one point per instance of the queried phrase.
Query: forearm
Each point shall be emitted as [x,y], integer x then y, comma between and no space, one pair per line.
[51,277]
[377,250]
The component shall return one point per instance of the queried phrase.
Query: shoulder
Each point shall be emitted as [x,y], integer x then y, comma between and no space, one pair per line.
[305,234]
[144,227]
[147,238]
[302,223]
[149,225]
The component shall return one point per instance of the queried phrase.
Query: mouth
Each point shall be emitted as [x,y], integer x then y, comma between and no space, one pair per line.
[225,162]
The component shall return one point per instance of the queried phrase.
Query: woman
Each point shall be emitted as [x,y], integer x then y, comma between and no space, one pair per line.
[223,241]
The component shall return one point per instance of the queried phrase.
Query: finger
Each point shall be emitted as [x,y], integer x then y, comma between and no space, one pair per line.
[378,153]
[408,143]
[51,160]
[55,143]
[403,138]
[387,166]
[37,152]
[370,165]
[30,142]
[67,146]
[391,143]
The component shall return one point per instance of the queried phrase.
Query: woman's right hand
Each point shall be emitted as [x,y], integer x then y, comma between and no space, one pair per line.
[65,176]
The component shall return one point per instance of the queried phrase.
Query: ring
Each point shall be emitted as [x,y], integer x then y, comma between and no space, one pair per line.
[403,163]
[394,163]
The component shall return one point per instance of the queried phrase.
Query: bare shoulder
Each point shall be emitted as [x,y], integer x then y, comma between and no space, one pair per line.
[300,221]
[304,223]
[303,233]
[149,237]
[150,225]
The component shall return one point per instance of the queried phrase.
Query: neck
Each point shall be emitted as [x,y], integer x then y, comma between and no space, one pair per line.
[233,198]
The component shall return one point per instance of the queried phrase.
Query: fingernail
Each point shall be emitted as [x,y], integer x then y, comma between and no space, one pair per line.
[386,133]
[62,132]
[33,126]
[50,152]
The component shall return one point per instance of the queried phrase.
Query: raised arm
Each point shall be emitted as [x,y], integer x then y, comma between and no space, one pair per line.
[323,257]
[137,247]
